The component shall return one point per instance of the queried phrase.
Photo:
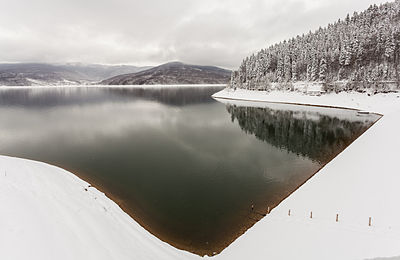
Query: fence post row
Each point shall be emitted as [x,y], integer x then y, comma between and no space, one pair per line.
[337,216]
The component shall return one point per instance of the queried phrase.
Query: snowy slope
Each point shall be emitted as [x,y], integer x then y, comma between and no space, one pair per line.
[49,213]
[362,182]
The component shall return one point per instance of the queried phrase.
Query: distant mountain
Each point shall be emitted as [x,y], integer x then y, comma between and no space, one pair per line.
[27,74]
[173,73]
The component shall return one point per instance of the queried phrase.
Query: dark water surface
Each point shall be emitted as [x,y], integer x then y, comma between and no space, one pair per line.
[184,166]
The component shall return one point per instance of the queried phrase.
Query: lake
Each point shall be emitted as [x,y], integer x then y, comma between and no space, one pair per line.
[195,172]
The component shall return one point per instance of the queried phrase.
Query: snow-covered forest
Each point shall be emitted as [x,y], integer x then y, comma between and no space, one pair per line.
[358,52]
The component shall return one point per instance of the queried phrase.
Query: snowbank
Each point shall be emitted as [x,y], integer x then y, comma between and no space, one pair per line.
[49,213]
[361,182]
[380,103]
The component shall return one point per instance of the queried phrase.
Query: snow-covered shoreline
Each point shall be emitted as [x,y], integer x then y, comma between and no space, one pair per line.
[49,213]
[359,183]
[359,101]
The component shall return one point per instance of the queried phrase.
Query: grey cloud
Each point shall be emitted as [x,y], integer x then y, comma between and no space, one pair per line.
[155,31]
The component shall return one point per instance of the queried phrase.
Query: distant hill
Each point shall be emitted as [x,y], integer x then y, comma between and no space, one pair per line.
[362,51]
[173,73]
[27,74]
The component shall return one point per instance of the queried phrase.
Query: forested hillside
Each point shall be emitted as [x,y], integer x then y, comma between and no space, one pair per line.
[361,51]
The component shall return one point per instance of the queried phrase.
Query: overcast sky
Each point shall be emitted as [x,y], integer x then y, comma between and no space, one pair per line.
[150,32]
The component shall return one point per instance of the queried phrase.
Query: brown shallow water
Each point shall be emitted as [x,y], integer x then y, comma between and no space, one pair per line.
[185,167]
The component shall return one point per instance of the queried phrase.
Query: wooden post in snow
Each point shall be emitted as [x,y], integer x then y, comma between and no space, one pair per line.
[369,222]
[311,214]
[289,213]
[337,217]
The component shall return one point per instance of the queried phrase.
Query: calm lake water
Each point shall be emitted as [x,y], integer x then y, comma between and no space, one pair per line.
[186,167]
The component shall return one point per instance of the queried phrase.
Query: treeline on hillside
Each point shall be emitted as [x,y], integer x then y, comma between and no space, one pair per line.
[363,49]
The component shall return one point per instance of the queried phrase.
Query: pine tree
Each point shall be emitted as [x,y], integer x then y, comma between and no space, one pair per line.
[309,74]
[279,69]
[287,68]
[390,46]
[322,69]
[314,70]
[294,70]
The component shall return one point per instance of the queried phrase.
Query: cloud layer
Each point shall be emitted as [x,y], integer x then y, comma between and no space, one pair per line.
[155,31]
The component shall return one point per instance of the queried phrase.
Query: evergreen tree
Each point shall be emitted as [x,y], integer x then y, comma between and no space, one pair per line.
[294,70]
[364,47]
[314,70]
[322,69]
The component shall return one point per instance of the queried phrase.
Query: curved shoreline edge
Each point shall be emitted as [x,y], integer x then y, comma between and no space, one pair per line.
[53,214]
[342,100]
[356,185]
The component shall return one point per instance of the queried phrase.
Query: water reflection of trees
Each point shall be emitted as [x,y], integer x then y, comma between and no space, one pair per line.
[316,136]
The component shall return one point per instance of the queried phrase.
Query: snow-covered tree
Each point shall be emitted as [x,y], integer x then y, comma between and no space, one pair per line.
[364,47]
[322,69]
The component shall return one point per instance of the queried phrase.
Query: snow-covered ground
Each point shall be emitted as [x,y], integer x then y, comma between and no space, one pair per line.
[361,182]
[47,213]
[380,103]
